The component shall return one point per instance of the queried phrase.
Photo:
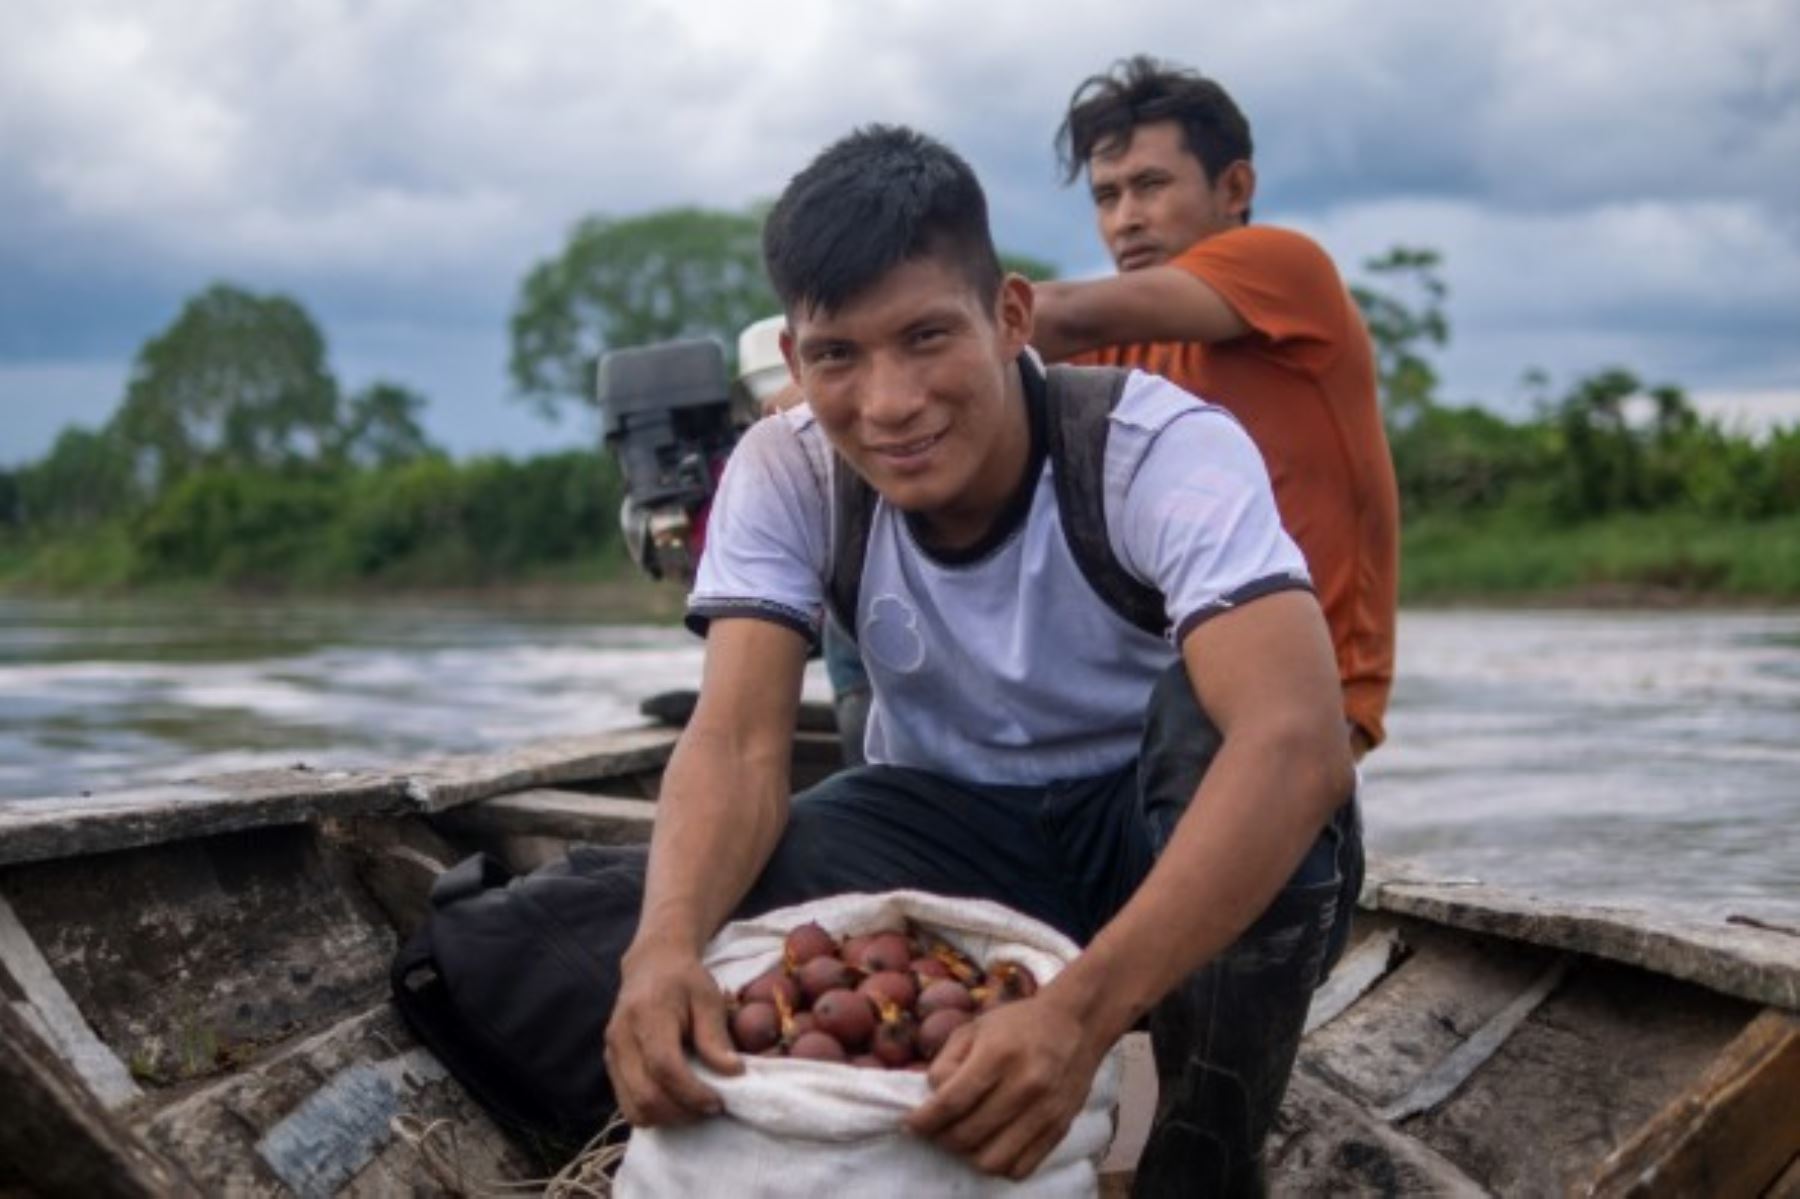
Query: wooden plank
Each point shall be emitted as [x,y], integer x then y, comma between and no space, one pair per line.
[1455,1067]
[1755,963]
[46,1005]
[1734,1133]
[1788,1185]
[35,830]
[1599,1057]
[316,1118]
[442,783]
[1372,960]
[547,812]
[56,1138]
[1326,1144]
[187,959]
[1378,1049]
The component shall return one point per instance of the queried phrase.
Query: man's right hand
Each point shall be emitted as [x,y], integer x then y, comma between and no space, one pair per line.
[667,999]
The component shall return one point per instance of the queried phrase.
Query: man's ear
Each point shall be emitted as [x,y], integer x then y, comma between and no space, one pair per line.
[1238,183]
[786,342]
[1013,312]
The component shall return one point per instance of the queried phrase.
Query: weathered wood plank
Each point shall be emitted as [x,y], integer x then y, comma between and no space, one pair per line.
[315,1118]
[442,783]
[1368,962]
[1788,1185]
[1456,1067]
[546,812]
[45,1003]
[56,1139]
[1755,963]
[1598,1058]
[1326,1144]
[1734,1133]
[1381,1047]
[35,830]
[187,958]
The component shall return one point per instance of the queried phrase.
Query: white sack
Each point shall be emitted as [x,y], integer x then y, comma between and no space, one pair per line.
[799,1128]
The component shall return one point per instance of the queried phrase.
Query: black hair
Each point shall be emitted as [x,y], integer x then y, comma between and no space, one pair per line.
[1142,91]
[881,196]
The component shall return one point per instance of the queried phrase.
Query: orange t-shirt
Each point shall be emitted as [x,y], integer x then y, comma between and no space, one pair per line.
[1302,381]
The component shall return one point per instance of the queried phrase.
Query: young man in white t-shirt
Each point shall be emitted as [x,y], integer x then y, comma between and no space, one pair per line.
[1026,742]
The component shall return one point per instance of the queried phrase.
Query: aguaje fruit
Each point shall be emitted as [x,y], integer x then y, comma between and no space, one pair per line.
[805,943]
[888,999]
[937,1029]
[755,1027]
[944,994]
[892,986]
[824,974]
[818,1046]
[845,1015]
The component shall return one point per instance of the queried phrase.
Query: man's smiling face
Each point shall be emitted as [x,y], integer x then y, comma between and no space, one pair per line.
[915,383]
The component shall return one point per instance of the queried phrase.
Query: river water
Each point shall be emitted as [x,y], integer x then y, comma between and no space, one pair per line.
[1651,759]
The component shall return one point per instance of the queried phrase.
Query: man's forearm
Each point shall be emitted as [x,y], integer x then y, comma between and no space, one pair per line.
[721,812]
[1230,854]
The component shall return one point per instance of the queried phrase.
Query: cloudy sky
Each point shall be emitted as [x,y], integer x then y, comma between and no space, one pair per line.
[1611,182]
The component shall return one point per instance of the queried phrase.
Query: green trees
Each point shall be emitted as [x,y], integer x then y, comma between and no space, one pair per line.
[238,380]
[680,272]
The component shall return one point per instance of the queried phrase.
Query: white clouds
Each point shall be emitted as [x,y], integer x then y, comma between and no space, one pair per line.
[1619,169]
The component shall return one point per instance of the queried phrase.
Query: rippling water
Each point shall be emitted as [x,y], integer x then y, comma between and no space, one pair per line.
[1652,759]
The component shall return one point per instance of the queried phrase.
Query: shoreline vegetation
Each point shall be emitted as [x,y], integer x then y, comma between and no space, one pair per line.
[235,464]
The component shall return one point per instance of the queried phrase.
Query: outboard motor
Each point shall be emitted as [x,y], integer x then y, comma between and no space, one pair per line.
[670,415]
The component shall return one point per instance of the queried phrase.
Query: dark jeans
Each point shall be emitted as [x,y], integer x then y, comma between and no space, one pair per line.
[1071,854]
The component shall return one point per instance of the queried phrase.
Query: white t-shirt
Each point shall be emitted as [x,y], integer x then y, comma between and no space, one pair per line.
[1008,668]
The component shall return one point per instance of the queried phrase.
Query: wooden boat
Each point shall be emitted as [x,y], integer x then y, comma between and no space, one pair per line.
[195,986]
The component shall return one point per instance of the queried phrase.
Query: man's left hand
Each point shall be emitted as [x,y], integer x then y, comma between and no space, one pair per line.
[1006,1087]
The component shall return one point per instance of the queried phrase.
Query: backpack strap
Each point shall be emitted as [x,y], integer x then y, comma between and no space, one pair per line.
[1082,399]
[852,514]
[1080,402]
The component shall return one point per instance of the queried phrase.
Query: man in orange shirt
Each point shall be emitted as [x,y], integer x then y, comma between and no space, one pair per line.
[1252,318]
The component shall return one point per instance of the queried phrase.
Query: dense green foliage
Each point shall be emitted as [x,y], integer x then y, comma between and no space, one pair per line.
[234,459]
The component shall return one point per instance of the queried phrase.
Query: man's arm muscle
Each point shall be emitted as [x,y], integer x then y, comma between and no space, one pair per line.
[1161,303]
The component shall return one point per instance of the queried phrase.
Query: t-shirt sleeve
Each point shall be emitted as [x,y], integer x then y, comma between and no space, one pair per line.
[1281,283]
[767,536]
[1197,517]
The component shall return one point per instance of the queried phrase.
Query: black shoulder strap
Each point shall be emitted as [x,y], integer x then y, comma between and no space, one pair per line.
[1081,401]
[852,512]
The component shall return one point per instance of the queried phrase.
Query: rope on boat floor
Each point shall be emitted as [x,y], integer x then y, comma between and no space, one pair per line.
[587,1176]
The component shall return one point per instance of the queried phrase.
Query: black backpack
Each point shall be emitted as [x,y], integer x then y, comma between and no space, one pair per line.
[1073,404]
[510,983]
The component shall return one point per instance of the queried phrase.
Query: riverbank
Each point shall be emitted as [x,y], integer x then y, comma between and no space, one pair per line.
[1504,558]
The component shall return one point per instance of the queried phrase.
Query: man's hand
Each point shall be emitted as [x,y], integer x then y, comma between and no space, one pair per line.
[1006,1087]
[667,998]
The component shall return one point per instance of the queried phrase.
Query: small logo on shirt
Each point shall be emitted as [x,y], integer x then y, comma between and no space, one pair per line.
[891,636]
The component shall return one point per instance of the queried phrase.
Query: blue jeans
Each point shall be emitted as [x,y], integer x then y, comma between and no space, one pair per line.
[1071,854]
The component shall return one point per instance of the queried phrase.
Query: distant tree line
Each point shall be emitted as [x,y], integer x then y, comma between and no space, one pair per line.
[235,457]
[1606,445]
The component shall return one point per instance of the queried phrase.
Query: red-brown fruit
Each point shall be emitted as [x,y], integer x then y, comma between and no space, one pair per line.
[853,947]
[867,1061]
[762,989]
[805,943]
[755,1027]
[937,1029]
[803,1022]
[927,968]
[885,951]
[942,995]
[1013,980]
[894,1043]
[818,1046]
[894,986]
[961,967]
[824,974]
[845,1015]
